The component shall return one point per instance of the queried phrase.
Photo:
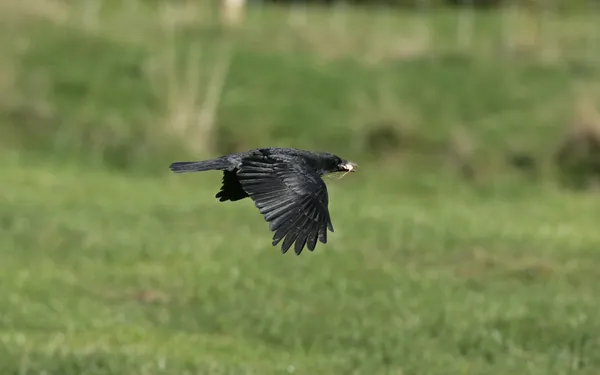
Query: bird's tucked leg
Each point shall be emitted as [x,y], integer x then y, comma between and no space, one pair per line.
[231,189]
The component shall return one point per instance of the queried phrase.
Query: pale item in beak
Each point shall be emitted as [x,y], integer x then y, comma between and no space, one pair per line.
[349,166]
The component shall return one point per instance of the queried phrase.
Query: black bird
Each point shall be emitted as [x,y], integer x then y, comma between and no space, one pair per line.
[285,185]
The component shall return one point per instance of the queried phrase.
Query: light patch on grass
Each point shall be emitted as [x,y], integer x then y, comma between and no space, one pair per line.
[52,10]
[379,36]
[586,115]
[191,98]
[138,343]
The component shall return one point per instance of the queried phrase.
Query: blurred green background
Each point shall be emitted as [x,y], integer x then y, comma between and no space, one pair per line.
[467,244]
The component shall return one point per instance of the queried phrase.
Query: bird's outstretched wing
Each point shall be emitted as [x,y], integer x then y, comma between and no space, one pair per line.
[292,198]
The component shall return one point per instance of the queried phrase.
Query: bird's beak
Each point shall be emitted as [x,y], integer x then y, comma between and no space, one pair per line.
[348,166]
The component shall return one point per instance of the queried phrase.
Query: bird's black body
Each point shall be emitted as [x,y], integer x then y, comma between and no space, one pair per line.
[285,185]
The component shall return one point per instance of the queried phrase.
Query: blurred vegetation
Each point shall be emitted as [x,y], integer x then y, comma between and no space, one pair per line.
[457,248]
[129,86]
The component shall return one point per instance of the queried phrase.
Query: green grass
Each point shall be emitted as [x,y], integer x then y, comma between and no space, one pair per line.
[111,265]
[105,273]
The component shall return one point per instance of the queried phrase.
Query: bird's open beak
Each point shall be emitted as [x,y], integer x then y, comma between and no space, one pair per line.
[349,166]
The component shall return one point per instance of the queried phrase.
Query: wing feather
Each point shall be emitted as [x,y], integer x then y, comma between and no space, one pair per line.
[311,240]
[291,197]
[274,208]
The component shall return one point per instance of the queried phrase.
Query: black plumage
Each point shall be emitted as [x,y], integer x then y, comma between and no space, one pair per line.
[286,186]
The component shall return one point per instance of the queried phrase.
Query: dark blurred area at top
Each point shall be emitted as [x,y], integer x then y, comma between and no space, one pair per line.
[475,4]
[417,4]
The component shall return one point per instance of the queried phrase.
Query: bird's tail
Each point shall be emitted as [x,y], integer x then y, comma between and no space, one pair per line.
[198,166]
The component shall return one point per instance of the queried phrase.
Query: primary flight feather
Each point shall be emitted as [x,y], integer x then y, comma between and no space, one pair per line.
[286,186]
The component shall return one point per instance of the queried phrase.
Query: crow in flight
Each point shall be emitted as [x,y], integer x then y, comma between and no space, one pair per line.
[285,185]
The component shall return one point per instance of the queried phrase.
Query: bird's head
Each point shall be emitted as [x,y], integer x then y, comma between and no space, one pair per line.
[334,165]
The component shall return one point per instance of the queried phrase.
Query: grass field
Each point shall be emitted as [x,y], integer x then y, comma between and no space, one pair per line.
[111,265]
[106,274]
